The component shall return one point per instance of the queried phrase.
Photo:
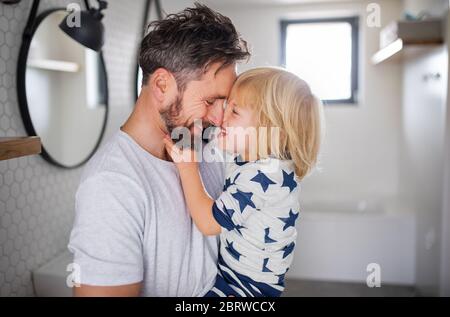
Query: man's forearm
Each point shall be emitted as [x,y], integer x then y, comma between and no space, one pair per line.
[131,290]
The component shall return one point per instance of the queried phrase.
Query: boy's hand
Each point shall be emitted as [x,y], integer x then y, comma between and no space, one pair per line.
[181,157]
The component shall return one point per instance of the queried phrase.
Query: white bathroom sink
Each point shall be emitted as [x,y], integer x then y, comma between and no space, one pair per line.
[50,279]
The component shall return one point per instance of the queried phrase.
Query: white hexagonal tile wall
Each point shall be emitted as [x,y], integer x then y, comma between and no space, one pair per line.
[37,199]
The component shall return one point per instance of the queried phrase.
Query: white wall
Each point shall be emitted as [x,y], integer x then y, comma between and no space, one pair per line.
[424,127]
[338,246]
[445,247]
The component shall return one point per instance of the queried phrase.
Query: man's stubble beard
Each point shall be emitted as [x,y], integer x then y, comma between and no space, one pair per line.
[170,117]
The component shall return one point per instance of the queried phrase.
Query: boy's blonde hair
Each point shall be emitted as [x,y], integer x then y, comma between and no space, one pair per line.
[283,100]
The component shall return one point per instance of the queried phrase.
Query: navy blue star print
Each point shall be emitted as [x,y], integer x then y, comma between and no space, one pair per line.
[222,219]
[238,229]
[228,182]
[244,199]
[268,239]
[288,249]
[232,250]
[229,212]
[265,268]
[239,161]
[280,279]
[289,221]
[249,210]
[288,181]
[263,180]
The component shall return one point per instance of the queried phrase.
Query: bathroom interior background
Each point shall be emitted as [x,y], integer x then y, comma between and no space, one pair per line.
[377,198]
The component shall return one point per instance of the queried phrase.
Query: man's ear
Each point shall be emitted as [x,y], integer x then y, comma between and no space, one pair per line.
[162,84]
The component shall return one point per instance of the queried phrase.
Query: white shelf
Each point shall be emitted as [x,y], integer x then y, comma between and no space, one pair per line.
[408,38]
[388,52]
[54,65]
[399,50]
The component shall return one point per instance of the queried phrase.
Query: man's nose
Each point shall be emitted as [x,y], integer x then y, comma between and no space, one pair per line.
[215,113]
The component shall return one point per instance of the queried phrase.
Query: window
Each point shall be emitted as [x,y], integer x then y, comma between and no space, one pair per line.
[324,52]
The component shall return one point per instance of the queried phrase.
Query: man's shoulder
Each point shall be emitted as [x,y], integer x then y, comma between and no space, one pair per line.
[111,175]
[113,157]
[113,171]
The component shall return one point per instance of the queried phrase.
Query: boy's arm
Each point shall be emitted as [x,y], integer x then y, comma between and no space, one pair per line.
[199,203]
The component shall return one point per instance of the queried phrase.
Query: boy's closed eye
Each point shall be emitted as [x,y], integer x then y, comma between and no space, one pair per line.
[233,107]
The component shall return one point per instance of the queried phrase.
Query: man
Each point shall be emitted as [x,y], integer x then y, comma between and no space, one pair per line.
[132,233]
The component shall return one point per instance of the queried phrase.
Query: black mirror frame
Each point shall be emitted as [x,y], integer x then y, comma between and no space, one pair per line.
[145,21]
[22,97]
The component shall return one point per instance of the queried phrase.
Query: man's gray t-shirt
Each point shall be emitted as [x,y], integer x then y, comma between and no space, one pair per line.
[132,223]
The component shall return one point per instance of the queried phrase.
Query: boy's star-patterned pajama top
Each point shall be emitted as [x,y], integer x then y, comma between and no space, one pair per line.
[257,212]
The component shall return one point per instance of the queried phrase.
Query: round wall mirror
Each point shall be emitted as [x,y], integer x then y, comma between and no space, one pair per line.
[137,84]
[63,92]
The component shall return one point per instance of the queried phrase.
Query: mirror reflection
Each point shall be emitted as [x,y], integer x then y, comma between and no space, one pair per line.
[66,93]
